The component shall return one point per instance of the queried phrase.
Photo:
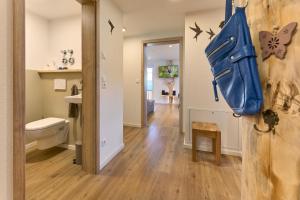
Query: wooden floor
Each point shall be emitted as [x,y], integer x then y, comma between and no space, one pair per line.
[153,166]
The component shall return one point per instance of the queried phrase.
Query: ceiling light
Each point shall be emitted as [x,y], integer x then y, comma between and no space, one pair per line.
[170,46]
[124,30]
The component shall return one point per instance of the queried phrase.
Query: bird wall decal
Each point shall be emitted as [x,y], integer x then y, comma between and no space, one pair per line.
[112,27]
[210,33]
[222,23]
[197,30]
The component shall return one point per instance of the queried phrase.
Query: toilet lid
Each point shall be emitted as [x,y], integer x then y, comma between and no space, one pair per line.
[43,123]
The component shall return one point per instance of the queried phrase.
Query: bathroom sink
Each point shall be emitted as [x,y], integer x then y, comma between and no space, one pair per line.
[77,99]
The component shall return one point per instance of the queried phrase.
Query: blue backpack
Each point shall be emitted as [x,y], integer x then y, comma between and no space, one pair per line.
[232,57]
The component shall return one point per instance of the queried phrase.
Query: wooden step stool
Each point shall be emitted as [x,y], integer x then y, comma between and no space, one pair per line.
[209,130]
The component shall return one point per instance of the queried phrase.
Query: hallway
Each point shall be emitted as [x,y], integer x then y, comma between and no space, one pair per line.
[153,165]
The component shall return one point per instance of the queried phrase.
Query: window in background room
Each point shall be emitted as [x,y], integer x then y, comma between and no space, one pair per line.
[149,82]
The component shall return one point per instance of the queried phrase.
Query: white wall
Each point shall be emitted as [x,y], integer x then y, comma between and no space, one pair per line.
[132,75]
[160,84]
[46,38]
[111,73]
[198,92]
[65,33]
[37,40]
[6,132]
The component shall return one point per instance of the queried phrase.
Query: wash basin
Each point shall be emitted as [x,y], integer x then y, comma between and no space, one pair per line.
[77,99]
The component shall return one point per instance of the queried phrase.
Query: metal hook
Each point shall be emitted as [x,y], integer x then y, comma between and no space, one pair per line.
[271,119]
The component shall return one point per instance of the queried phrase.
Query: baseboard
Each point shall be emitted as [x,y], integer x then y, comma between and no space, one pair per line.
[207,148]
[30,147]
[132,125]
[111,156]
[68,146]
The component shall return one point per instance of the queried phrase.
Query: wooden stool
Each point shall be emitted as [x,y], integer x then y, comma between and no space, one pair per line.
[209,130]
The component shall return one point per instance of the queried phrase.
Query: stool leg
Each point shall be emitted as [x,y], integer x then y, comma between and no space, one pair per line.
[218,149]
[214,146]
[194,144]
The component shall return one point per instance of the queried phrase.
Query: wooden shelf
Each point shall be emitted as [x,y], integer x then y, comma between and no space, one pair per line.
[43,71]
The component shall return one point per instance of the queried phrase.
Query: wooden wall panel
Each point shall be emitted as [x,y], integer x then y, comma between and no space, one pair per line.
[271,163]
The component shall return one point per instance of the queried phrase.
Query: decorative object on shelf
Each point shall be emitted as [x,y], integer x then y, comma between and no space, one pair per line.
[221,25]
[71,59]
[271,119]
[276,43]
[210,33]
[62,68]
[112,27]
[197,30]
[64,59]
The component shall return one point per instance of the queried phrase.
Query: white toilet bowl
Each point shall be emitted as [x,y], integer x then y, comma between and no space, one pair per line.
[48,132]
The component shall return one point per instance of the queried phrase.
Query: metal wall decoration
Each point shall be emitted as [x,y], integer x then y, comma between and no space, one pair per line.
[276,43]
[210,33]
[271,119]
[197,30]
[112,27]
[221,25]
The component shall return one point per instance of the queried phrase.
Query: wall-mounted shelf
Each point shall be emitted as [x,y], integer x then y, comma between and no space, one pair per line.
[44,71]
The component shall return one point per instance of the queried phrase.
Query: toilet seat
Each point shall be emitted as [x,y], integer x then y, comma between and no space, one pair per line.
[44,123]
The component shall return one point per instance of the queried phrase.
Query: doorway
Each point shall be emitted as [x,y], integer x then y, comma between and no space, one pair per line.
[90,104]
[162,83]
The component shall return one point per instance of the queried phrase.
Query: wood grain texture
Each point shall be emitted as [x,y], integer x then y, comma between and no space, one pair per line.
[271,163]
[209,130]
[154,165]
[90,104]
[18,99]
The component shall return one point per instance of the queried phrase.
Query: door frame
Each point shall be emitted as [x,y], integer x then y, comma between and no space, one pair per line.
[90,104]
[162,41]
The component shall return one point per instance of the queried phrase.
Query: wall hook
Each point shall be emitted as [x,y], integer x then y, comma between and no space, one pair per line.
[271,119]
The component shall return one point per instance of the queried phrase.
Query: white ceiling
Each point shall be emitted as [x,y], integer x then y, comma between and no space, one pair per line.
[140,16]
[157,16]
[162,52]
[53,9]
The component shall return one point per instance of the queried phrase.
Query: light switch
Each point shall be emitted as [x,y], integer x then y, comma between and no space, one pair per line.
[103,82]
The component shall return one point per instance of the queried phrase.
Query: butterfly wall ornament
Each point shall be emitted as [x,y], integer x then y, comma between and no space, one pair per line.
[276,43]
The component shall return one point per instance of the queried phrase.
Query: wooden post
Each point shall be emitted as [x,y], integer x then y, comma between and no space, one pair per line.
[271,163]
[18,99]
[90,106]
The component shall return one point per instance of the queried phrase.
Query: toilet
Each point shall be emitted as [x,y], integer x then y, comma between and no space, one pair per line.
[48,132]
